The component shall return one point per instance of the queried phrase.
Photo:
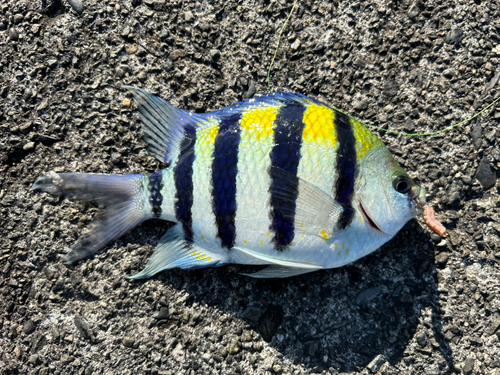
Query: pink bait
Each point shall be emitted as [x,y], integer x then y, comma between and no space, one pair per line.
[431,221]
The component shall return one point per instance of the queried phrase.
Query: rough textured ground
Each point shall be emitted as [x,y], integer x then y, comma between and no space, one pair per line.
[419,305]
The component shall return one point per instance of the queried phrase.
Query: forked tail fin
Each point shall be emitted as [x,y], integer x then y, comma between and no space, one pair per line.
[120,197]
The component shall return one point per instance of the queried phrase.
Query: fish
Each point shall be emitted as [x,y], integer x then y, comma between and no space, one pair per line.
[281,180]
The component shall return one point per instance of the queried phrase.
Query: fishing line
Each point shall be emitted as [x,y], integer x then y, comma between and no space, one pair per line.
[277,46]
[420,134]
[354,118]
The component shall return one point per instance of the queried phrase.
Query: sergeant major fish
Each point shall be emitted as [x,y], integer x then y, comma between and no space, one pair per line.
[281,180]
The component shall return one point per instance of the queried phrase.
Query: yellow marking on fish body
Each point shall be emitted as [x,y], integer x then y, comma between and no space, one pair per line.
[194,253]
[259,121]
[335,245]
[245,241]
[268,234]
[347,251]
[343,245]
[338,253]
[209,259]
[206,135]
[319,126]
[365,140]
[203,256]
[360,219]
[323,234]
[202,237]
[262,242]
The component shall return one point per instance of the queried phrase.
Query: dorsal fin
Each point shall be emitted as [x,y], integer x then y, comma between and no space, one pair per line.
[268,100]
[163,124]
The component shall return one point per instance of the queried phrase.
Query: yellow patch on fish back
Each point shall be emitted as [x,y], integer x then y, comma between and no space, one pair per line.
[365,140]
[205,136]
[319,126]
[259,121]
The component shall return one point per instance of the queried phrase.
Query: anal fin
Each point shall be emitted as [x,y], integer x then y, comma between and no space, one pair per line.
[173,251]
[275,271]
[279,261]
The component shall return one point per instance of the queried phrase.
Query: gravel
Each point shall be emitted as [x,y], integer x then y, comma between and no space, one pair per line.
[419,305]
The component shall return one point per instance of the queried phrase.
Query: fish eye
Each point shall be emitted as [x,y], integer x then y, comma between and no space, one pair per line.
[402,184]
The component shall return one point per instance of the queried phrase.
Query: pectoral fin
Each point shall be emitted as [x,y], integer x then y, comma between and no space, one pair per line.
[312,210]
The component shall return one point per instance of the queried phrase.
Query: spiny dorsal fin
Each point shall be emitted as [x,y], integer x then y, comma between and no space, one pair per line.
[163,124]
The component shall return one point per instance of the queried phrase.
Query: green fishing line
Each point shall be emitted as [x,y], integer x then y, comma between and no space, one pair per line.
[278,45]
[354,118]
[421,134]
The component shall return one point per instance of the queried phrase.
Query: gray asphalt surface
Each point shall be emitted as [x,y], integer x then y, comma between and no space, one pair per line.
[419,305]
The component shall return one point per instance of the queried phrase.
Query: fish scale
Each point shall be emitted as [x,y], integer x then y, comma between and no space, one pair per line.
[280,180]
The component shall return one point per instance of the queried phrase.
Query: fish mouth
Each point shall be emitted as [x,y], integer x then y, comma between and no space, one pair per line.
[417,195]
[369,219]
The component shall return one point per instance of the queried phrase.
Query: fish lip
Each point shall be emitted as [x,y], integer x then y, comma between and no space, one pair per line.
[417,196]
[368,218]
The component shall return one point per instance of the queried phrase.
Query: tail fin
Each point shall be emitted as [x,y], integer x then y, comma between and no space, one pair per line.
[119,196]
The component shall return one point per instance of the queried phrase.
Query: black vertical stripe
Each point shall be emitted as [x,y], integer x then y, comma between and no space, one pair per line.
[285,155]
[347,167]
[155,197]
[183,178]
[224,171]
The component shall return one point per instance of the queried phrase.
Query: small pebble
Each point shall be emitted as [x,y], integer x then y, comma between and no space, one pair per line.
[18,18]
[35,29]
[77,5]
[376,363]
[18,352]
[468,365]
[27,94]
[188,16]
[252,313]
[421,339]
[233,348]
[485,175]
[13,34]
[442,258]
[128,341]
[295,45]
[455,36]
[164,313]
[414,11]
[29,327]
[127,102]
[29,146]
[131,49]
